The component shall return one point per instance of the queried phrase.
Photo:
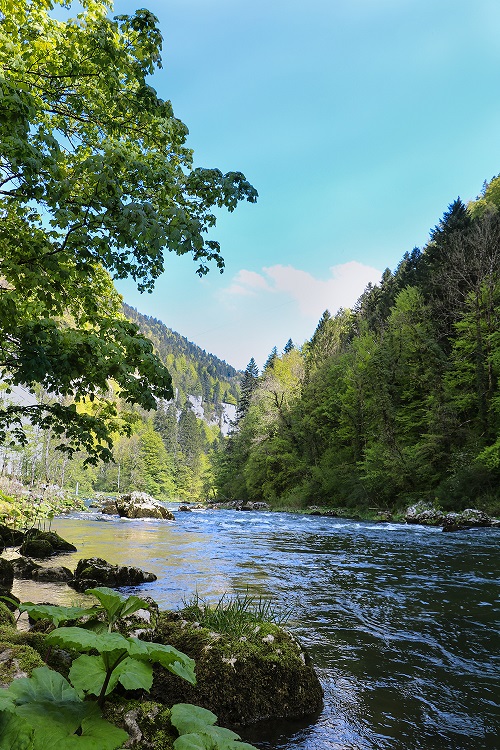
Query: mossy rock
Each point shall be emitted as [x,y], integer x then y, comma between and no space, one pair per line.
[40,548]
[11,537]
[6,616]
[57,542]
[6,574]
[266,675]
[17,661]
[147,722]
[36,641]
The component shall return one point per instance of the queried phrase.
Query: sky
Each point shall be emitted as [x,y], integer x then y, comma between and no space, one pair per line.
[358,122]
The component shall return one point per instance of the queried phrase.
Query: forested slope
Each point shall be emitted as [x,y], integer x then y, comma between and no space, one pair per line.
[193,371]
[395,400]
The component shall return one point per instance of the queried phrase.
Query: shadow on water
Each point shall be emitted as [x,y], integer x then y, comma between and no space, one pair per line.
[401,621]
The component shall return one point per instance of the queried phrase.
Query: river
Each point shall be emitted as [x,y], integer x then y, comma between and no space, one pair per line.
[401,621]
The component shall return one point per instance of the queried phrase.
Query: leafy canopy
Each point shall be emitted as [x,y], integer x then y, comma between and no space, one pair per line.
[95,181]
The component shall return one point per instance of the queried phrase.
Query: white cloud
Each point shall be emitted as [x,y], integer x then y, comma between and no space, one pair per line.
[311,295]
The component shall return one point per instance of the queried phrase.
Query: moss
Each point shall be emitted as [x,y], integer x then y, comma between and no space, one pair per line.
[17,661]
[6,616]
[147,722]
[24,638]
[265,675]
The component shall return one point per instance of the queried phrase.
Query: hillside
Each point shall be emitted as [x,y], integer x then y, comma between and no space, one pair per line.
[208,380]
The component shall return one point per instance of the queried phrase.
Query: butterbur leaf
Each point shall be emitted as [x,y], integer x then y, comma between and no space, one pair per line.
[88,673]
[54,613]
[83,640]
[131,605]
[189,718]
[221,735]
[112,601]
[96,734]
[194,742]
[173,660]
[15,733]
[134,675]
[43,685]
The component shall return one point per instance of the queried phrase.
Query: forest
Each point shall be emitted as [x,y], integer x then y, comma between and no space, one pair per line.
[394,401]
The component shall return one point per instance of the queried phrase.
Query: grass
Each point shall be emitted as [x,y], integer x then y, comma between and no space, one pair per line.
[236,615]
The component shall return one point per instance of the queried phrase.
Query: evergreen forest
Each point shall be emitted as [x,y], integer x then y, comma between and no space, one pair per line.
[163,451]
[394,401]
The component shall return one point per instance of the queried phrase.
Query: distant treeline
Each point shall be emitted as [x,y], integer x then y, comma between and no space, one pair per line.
[394,401]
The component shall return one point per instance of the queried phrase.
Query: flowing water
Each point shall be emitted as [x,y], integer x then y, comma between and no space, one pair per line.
[401,621]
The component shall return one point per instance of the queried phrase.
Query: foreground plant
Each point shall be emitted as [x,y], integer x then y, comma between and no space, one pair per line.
[48,712]
[235,615]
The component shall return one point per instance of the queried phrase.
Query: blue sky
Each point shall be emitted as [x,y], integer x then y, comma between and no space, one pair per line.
[358,122]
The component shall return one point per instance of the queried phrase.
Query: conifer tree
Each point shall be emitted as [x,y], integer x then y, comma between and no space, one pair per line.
[248,386]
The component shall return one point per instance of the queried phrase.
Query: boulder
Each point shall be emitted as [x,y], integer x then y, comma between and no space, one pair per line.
[255,506]
[58,574]
[184,508]
[11,537]
[469,518]
[142,505]
[58,543]
[95,571]
[24,567]
[40,548]
[425,514]
[6,574]
[263,675]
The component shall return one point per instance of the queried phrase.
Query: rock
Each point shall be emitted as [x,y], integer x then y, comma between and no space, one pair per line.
[109,507]
[95,571]
[37,548]
[24,567]
[425,514]
[255,506]
[11,537]
[142,505]
[184,508]
[266,675]
[58,574]
[6,616]
[17,661]
[468,519]
[6,574]
[58,543]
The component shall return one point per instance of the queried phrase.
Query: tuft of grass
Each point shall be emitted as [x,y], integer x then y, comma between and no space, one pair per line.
[236,615]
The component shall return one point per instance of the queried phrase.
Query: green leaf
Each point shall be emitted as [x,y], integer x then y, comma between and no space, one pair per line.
[82,640]
[189,718]
[54,613]
[15,733]
[88,673]
[170,658]
[112,601]
[134,675]
[194,742]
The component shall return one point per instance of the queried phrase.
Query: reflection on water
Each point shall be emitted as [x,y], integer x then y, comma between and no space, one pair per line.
[402,622]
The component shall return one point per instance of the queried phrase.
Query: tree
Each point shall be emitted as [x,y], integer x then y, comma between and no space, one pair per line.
[248,386]
[95,180]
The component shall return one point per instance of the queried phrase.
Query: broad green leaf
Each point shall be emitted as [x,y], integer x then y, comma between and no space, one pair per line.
[134,675]
[170,658]
[80,639]
[15,733]
[112,601]
[133,604]
[194,742]
[188,718]
[97,734]
[88,673]
[54,613]
[221,735]
[44,685]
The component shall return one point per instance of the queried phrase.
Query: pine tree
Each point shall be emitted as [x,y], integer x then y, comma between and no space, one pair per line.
[270,360]
[288,347]
[248,385]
